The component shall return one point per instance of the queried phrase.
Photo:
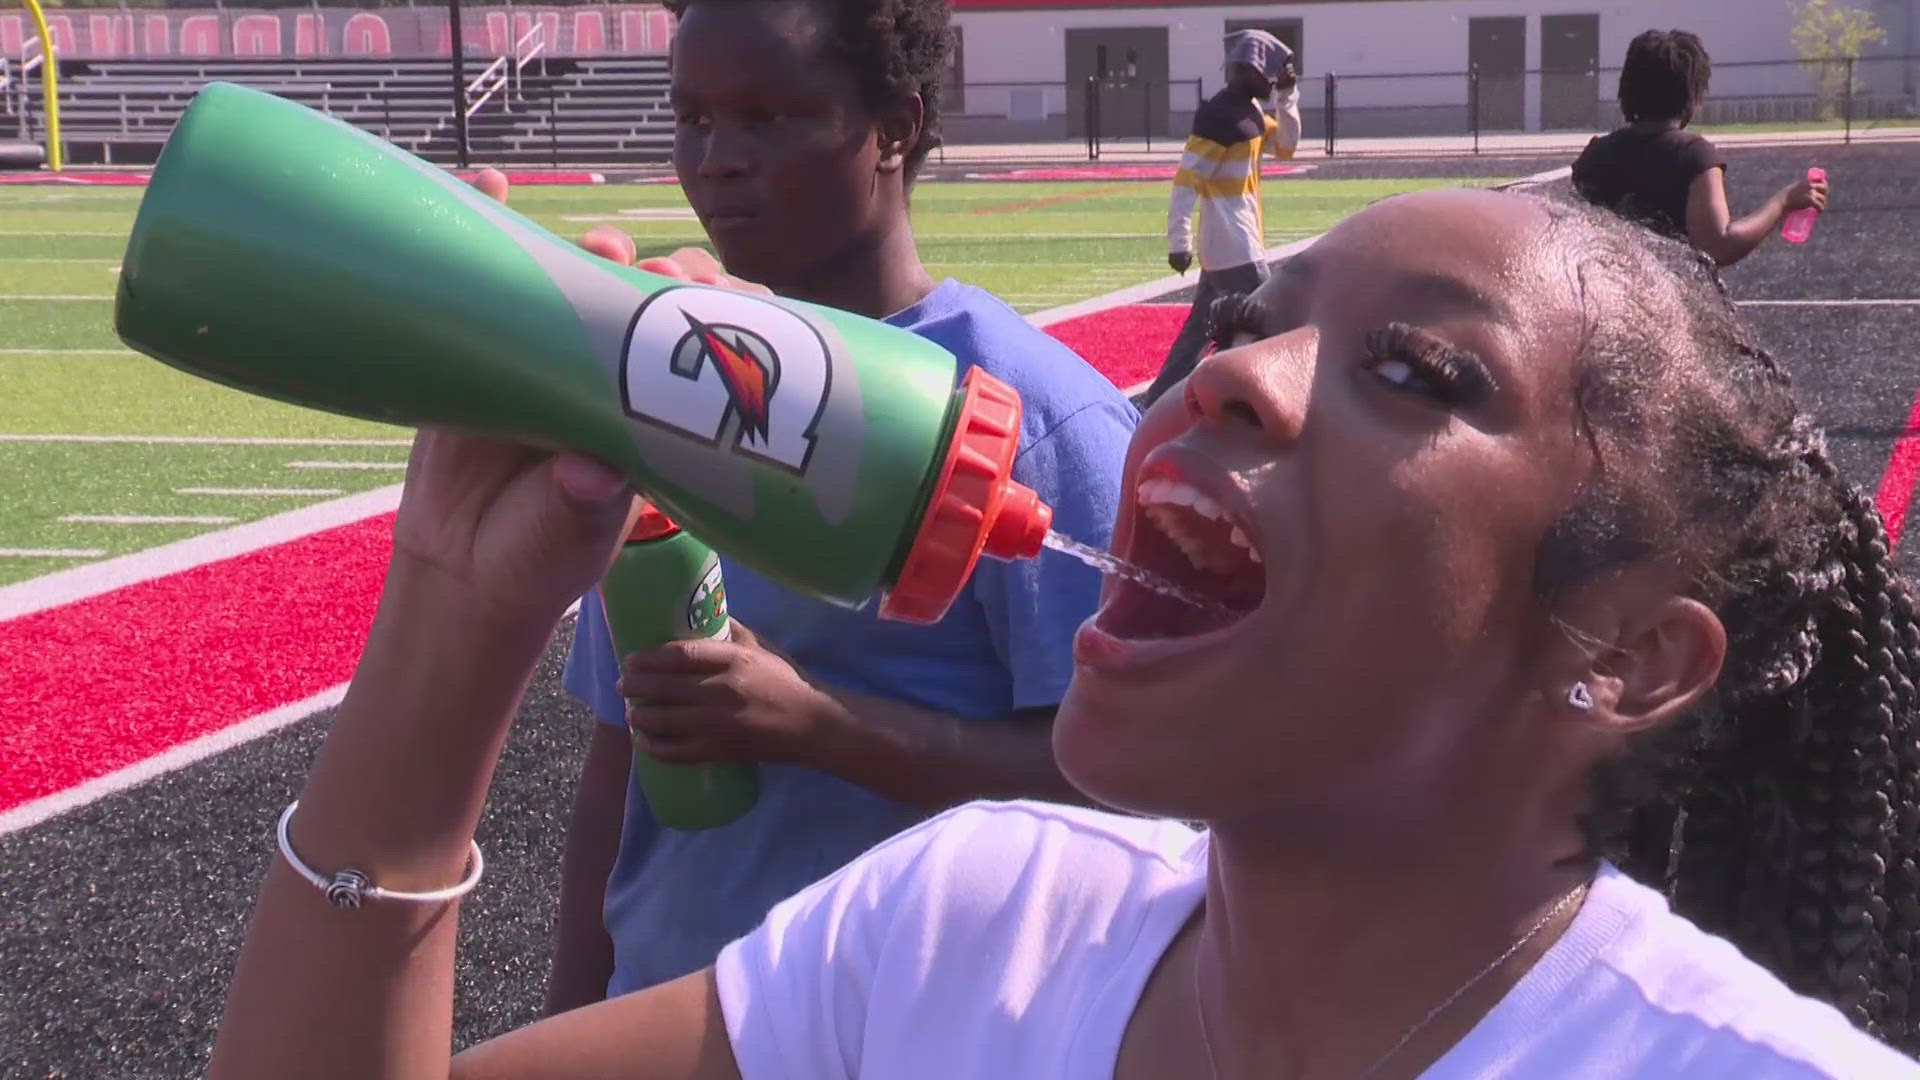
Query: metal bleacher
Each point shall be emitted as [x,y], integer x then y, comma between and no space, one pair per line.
[527,108]
[601,110]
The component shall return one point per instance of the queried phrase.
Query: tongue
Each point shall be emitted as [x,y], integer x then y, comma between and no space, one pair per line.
[1182,595]
[1135,611]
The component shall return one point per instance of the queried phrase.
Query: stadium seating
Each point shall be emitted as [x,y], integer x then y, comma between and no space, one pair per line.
[587,110]
[552,111]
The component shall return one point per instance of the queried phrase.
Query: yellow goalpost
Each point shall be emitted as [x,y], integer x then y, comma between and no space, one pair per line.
[49,82]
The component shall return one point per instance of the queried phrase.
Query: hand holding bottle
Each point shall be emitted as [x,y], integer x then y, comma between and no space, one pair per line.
[1804,202]
[513,526]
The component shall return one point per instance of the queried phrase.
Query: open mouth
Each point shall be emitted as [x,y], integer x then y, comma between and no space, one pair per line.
[1187,538]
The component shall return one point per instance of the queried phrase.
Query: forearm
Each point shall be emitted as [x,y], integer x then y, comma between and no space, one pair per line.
[582,957]
[396,792]
[932,760]
[1747,233]
[1289,134]
[583,953]
[1180,216]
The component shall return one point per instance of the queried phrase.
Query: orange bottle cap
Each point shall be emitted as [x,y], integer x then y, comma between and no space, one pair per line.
[975,506]
[652,524]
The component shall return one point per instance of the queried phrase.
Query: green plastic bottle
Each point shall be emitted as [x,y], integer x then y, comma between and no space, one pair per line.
[662,586]
[293,256]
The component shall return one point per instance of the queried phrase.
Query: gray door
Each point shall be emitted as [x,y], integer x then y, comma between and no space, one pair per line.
[1570,71]
[1497,49]
[1128,66]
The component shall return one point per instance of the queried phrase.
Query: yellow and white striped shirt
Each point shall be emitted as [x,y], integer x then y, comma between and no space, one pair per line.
[1220,171]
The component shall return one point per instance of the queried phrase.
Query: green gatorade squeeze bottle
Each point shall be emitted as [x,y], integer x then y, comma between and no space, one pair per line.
[296,257]
[664,585]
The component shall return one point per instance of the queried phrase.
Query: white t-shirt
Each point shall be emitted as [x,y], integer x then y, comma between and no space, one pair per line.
[1006,941]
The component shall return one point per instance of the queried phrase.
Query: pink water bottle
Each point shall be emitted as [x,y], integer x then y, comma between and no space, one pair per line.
[1799,225]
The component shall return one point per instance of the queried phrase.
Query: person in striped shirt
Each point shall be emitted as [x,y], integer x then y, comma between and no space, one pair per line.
[1220,173]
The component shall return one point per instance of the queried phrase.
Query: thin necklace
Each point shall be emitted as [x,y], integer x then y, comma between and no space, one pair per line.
[1206,1038]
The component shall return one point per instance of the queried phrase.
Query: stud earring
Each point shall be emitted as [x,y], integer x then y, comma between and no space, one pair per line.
[1580,697]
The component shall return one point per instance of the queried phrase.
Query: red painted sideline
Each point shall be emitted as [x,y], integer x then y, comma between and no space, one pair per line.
[106,682]
[1126,344]
[1902,475]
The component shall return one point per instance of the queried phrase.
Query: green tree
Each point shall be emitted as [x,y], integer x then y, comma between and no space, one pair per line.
[1830,33]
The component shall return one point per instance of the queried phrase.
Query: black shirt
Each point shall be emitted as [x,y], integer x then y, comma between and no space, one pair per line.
[1230,118]
[1644,174]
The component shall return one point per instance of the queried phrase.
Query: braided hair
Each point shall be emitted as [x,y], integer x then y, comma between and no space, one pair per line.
[1665,76]
[894,49]
[1784,813]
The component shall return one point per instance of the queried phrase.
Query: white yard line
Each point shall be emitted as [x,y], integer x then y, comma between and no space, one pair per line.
[640,213]
[82,582]
[978,236]
[146,519]
[179,757]
[1110,269]
[51,553]
[346,464]
[198,440]
[1537,179]
[57,298]
[39,810]
[67,352]
[255,491]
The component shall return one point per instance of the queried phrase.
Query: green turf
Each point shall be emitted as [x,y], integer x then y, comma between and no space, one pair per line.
[18,241]
[72,277]
[1035,245]
[145,480]
[123,393]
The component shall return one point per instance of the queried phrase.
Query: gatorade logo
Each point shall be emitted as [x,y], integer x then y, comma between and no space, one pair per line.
[707,607]
[729,370]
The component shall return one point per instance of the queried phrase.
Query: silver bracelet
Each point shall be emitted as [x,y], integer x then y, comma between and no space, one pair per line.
[348,888]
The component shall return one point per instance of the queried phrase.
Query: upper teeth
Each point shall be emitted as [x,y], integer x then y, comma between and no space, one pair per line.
[1181,493]
[1152,493]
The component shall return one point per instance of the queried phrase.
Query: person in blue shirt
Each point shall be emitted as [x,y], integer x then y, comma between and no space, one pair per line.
[799,127]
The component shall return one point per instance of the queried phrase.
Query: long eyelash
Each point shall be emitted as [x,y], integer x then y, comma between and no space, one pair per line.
[1459,377]
[1229,317]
